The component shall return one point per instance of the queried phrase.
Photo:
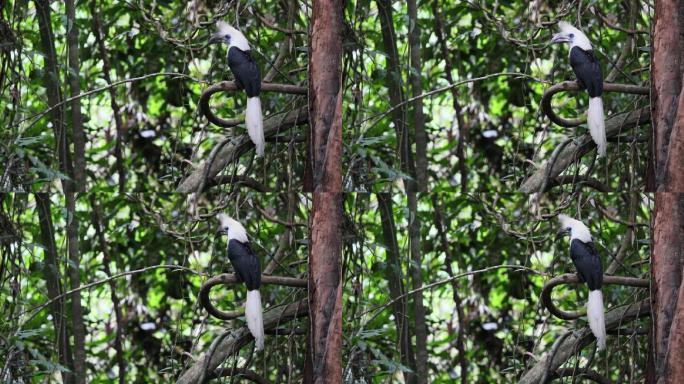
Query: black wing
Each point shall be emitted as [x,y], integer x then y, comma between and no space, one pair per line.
[245,70]
[245,263]
[588,70]
[588,263]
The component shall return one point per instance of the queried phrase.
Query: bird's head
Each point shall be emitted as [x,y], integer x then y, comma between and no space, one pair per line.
[571,35]
[232,228]
[573,228]
[225,33]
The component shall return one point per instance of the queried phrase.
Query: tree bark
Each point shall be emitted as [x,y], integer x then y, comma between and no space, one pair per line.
[77,134]
[52,86]
[667,294]
[54,286]
[420,326]
[325,95]
[416,78]
[78,328]
[394,87]
[667,69]
[396,286]
[325,288]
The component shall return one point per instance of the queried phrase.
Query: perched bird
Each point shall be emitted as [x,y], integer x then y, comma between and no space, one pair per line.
[586,66]
[246,266]
[588,264]
[247,77]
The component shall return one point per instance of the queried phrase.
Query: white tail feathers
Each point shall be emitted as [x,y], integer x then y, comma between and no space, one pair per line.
[255,320]
[255,124]
[597,323]
[596,123]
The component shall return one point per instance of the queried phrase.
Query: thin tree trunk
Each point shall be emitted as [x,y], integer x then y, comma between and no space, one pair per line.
[325,287]
[416,269]
[106,69]
[54,287]
[396,287]
[416,78]
[78,136]
[460,150]
[667,269]
[667,69]
[325,95]
[51,79]
[99,226]
[448,260]
[78,328]
[394,87]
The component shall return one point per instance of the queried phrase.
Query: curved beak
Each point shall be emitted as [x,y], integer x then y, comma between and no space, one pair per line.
[560,38]
[215,38]
[562,232]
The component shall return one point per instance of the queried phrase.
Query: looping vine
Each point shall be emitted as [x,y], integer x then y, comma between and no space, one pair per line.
[566,86]
[230,86]
[571,278]
[231,278]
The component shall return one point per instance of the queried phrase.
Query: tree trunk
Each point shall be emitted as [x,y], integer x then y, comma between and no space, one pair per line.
[78,136]
[106,69]
[325,287]
[100,226]
[325,249]
[667,66]
[417,88]
[78,328]
[420,327]
[52,86]
[396,287]
[667,295]
[325,95]
[448,260]
[54,287]
[394,87]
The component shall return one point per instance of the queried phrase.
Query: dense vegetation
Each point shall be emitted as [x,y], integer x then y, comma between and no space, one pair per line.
[109,231]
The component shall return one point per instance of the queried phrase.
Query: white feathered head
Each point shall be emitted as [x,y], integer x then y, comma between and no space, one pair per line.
[572,35]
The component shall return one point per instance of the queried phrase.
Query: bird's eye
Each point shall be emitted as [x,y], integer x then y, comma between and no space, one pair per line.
[569,229]
[227,37]
[571,35]
[226,228]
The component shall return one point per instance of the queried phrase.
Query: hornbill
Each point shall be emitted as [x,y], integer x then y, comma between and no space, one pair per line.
[586,66]
[588,264]
[246,266]
[247,77]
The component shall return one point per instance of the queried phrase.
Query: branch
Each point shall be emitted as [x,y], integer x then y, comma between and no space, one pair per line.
[576,341]
[577,148]
[230,278]
[236,147]
[239,373]
[590,375]
[571,278]
[241,337]
[573,86]
[230,86]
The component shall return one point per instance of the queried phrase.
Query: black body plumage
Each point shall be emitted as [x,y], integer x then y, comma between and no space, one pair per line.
[245,263]
[588,70]
[245,70]
[588,263]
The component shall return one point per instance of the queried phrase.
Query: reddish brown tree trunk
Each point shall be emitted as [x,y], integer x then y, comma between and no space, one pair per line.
[325,95]
[667,65]
[325,288]
[667,264]
[325,249]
